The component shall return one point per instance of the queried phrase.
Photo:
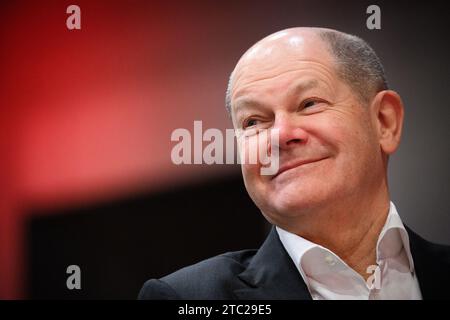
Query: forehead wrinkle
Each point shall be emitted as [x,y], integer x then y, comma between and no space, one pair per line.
[303,85]
[329,70]
[245,103]
[248,102]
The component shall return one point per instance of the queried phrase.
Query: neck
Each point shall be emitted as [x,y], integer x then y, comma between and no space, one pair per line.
[349,228]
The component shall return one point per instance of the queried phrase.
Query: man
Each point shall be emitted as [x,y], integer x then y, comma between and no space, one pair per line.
[336,233]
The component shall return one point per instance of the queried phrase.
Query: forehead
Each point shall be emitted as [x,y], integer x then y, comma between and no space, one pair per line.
[276,62]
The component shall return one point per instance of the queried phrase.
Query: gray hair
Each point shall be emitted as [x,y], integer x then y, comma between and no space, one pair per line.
[356,62]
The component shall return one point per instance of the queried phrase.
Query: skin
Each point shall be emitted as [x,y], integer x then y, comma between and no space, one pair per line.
[288,81]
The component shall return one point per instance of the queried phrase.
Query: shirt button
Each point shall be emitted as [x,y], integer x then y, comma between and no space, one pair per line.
[330,260]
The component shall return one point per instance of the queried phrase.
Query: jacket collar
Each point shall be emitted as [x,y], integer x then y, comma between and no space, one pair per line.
[271,274]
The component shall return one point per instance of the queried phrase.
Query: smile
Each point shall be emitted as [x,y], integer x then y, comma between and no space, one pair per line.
[295,164]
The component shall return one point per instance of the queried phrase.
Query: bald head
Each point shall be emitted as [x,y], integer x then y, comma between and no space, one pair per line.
[354,61]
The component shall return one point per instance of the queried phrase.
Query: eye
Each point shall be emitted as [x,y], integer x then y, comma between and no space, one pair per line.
[250,123]
[310,103]
[313,104]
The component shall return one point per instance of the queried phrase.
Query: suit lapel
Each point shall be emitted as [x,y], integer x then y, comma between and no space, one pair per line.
[272,274]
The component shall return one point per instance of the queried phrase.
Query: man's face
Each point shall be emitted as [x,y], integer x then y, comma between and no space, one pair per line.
[328,148]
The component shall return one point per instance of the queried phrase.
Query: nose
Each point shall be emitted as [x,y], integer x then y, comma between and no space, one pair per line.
[290,131]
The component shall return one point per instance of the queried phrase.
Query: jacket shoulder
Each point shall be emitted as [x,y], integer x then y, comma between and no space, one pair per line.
[440,251]
[155,289]
[432,265]
[208,279]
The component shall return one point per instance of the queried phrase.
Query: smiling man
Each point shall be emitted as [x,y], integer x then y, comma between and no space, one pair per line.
[336,233]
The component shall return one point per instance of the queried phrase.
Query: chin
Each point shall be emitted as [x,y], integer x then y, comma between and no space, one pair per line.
[291,207]
[298,198]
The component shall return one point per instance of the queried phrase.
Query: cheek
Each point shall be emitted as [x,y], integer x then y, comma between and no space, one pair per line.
[356,152]
[346,132]
[330,133]
[254,152]
[249,165]
[249,171]
[254,184]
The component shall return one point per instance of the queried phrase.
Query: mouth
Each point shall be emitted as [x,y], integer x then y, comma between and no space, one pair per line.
[295,164]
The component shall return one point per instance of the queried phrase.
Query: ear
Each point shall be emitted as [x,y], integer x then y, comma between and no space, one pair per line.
[387,108]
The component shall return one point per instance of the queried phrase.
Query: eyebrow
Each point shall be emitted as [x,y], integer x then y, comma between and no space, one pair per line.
[303,86]
[249,102]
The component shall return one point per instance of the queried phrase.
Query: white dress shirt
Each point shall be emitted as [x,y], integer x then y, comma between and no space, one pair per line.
[328,277]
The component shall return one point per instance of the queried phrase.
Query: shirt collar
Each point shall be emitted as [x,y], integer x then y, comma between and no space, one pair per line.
[393,237]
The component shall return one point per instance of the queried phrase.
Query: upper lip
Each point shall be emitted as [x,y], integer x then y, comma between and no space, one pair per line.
[294,164]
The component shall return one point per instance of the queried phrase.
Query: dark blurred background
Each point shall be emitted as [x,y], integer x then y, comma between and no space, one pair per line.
[86,118]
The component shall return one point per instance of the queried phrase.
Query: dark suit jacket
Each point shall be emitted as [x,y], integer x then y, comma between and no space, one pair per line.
[269,273]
